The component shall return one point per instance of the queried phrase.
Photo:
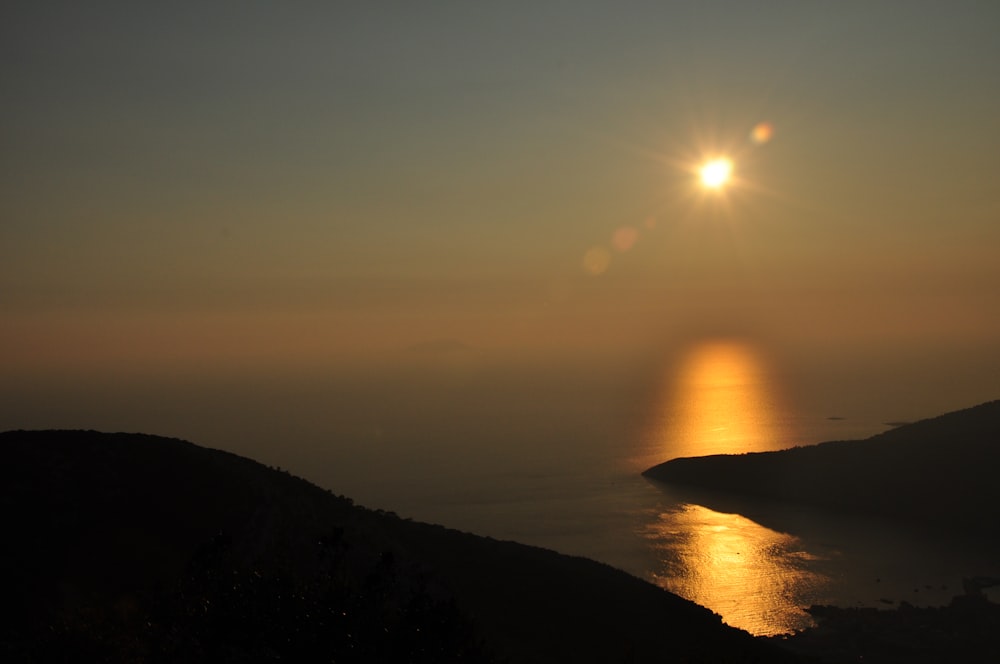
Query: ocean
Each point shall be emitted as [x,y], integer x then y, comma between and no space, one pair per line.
[556,461]
[550,453]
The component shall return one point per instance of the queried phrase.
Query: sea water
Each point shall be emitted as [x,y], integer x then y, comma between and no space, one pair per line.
[562,472]
[552,456]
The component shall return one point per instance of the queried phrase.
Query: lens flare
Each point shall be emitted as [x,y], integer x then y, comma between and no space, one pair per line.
[762,133]
[624,238]
[596,260]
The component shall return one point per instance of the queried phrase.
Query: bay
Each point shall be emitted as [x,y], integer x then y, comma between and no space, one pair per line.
[550,454]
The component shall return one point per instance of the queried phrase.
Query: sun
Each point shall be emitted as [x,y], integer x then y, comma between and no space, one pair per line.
[716,173]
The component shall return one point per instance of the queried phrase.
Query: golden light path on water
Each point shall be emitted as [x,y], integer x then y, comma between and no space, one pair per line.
[748,574]
[720,402]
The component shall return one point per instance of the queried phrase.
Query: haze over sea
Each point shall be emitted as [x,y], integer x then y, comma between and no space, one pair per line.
[550,453]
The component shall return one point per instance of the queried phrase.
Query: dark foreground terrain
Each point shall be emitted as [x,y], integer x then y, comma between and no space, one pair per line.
[134,548]
[964,631]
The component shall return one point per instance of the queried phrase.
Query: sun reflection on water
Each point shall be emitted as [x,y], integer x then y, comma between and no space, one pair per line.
[750,575]
[720,400]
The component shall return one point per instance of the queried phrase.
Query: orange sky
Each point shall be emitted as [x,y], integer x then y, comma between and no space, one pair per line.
[203,189]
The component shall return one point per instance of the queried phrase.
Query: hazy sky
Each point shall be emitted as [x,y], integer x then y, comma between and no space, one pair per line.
[213,185]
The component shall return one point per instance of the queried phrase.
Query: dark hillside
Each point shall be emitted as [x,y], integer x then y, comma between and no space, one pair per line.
[940,473]
[123,547]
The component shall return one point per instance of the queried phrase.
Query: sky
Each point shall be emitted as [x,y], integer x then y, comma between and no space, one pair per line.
[192,190]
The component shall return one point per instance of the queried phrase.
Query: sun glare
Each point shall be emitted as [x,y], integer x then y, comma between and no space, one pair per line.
[714,174]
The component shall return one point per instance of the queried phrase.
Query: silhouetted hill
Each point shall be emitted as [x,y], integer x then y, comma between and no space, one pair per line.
[940,472]
[127,547]
[964,631]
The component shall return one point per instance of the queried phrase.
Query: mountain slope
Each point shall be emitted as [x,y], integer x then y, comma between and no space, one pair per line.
[127,547]
[940,472]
